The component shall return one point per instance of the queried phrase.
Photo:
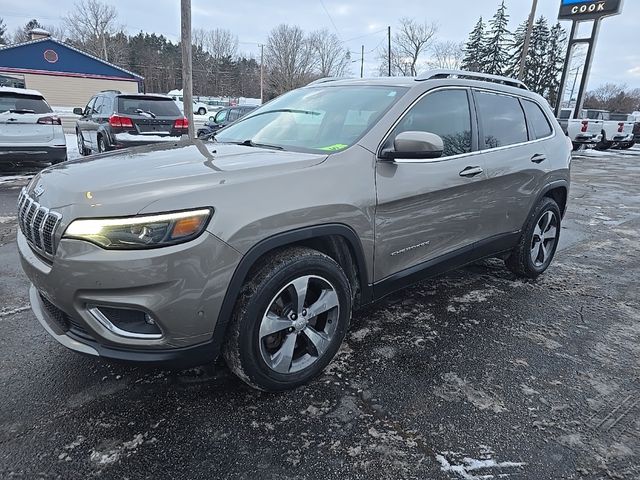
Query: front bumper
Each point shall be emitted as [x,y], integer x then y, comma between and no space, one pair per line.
[16,156]
[182,287]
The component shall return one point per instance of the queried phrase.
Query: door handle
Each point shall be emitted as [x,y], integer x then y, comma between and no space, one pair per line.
[471,172]
[539,158]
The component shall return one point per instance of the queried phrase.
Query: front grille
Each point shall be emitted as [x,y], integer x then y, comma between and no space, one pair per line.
[38,224]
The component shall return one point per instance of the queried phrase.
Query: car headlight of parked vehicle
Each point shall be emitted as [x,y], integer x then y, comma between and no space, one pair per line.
[133,233]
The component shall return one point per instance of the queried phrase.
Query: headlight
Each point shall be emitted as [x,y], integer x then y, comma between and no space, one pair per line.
[149,231]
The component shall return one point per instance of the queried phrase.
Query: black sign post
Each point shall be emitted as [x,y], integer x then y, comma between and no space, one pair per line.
[583,11]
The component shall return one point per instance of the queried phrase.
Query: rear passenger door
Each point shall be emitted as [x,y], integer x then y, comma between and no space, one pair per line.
[513,153]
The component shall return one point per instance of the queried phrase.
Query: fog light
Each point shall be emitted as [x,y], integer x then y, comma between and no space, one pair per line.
[126,322]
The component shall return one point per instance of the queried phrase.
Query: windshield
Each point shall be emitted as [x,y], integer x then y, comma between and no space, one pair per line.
[16,102]
[157,106]
[327,119]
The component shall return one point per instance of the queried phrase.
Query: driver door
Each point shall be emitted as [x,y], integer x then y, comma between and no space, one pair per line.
[429,210]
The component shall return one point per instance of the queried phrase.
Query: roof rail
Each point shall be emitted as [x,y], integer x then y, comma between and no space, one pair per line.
[327,80]
[111,90]
[485,77]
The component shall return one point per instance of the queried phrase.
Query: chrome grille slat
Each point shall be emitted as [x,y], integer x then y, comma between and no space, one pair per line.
[38,224]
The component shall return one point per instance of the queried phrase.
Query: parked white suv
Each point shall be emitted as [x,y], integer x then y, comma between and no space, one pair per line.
[199,108]
[30,134]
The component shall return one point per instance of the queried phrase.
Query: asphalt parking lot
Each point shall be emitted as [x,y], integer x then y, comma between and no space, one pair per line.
[475,375]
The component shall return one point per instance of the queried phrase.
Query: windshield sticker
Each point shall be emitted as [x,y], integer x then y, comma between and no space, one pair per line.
[335,147]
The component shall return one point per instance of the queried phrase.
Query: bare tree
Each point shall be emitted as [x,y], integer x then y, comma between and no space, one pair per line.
[289,59]
[409,43]
[90,24]
[219,43]
[614,97]
[331,57]
[447,55]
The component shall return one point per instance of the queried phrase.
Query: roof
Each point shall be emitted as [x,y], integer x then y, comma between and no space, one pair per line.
[22,91]
[50,55]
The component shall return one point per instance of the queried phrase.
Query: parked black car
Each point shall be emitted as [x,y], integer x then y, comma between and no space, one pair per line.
[113,120]
[224,117]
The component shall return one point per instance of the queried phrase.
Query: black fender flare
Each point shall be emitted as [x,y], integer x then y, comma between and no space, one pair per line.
[547,188]
[281,240]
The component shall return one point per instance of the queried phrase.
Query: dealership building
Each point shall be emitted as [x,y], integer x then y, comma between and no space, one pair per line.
[66,76]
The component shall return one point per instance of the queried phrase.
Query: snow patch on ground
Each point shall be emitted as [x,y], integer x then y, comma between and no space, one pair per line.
[112,455]
[9,219]
[13,311]
[475,469]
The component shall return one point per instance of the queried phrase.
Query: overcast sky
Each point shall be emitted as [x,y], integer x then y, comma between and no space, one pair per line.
[357,22]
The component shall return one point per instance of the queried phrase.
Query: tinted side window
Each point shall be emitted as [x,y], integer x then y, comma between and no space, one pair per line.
[107,106]
[89,108]
[503,120]
[445,113]
[538,123]
[97,108]
[233,115]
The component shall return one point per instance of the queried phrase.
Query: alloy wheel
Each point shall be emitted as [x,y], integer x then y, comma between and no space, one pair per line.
[299,324]
[545,236]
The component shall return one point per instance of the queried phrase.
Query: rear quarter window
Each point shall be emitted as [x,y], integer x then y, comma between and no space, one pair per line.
[158,106]
[24,103]
[539,125]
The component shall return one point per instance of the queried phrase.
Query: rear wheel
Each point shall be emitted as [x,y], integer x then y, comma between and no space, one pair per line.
[627,145]
[290,320]
[102,145]
[603,145]
[538,242]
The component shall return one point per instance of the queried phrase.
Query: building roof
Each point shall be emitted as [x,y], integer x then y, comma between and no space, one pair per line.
[50,55]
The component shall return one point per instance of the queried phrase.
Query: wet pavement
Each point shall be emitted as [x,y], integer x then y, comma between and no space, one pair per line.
[475,375]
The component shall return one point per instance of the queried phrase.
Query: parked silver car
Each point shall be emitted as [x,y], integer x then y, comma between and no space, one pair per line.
[259,245]
[30,133]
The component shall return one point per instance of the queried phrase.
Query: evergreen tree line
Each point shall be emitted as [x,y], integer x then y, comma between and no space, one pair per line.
[492,48]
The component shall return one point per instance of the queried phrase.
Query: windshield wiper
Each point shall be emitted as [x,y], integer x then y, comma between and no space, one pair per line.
[287,110]
[21,110]
[251,143]
[148,112]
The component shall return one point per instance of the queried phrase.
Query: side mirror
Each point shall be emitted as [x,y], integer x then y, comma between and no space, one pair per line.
[78,111]
[415,145]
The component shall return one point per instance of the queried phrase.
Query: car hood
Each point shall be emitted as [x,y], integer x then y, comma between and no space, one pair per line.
[125,182]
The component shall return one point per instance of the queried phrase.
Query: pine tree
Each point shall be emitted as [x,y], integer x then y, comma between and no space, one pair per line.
[497,41]
[537,66]
[556,50]
[474,50]
[515,51]
[3,30]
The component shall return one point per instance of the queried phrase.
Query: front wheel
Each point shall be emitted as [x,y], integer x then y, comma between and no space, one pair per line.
[627,145]
[201,111]
[289,321]
[539,241]
[603,145]
[82,150]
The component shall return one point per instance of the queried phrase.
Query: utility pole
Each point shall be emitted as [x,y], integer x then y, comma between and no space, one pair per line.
[527,39]
[262,73]
[362,62]
[389,46]
[187,72]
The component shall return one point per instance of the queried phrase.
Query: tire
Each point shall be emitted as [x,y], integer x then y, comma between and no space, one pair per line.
[82,150]
[528,260]
[627,145]
[57,162]
[277,353]
[603,145]
[202,111]
[576,146]
[102,144]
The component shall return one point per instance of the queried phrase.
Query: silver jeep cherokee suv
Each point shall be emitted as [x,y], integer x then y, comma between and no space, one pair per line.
[259,244]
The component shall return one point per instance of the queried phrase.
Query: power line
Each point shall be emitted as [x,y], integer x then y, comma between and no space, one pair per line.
[330,18]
